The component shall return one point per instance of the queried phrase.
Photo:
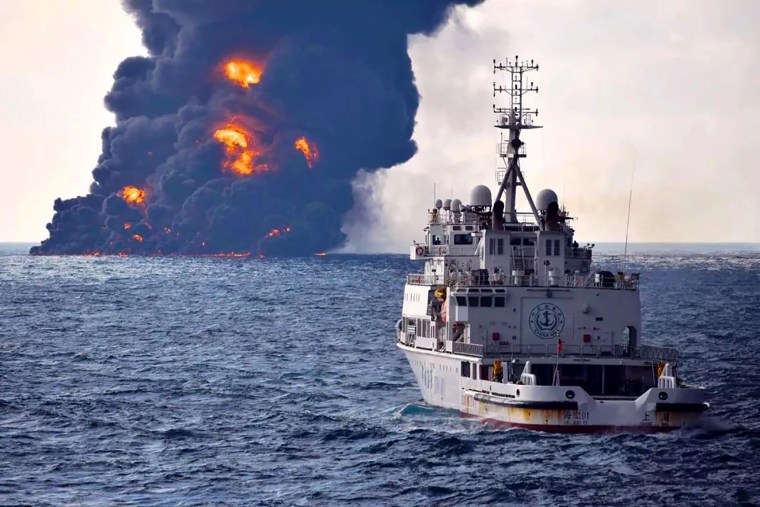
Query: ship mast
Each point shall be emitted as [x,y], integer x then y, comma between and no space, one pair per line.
[514,119]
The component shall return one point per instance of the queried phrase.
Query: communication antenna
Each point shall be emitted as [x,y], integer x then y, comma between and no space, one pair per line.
[514,118]
[630,196]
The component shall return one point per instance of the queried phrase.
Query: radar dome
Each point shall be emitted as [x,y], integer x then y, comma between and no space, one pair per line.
[456,205]
[544,198]
[438,204]
[447,204]
[480,196]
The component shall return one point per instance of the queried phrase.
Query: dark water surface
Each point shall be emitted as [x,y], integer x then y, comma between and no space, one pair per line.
[184,381]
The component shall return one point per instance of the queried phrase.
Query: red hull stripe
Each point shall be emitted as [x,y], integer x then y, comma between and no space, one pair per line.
[558,428]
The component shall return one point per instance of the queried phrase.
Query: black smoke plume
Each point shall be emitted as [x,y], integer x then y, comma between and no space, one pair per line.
[334,71]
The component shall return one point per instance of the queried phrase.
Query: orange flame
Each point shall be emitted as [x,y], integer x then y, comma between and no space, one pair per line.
[137,238]
[278,232]
[133,195]
[320,254]
[127,226]
[240,155]
[309,149]
[243,72]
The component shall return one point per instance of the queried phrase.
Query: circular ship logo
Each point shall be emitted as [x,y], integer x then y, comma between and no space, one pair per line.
[546,320]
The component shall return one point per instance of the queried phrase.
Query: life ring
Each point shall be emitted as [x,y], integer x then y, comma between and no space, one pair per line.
[419,251]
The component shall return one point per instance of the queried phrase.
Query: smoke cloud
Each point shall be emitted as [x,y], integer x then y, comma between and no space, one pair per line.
[246,124]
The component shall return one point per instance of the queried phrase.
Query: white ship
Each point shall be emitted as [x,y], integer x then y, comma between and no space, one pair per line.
[510,323]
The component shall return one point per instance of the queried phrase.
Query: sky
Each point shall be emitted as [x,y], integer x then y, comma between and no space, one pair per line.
[665,92]
[57,60]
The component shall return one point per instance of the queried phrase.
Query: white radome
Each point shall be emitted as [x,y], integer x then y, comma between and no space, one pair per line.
[480,196]
[544,198]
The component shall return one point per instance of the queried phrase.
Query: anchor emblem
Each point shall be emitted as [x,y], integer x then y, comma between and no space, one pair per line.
[546,320]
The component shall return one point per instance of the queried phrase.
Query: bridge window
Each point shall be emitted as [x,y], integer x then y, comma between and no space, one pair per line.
[461,301]
[472,301]
[465,369]
[486,301]
[500,246]
[499,301]
[462,239]
[548,247]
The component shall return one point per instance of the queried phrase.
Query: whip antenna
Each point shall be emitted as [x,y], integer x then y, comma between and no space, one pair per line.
[630,196]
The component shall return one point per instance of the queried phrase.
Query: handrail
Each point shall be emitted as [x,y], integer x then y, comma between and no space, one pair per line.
[462,279]
[656,353]
[468,349]
[423,279]
[645,352]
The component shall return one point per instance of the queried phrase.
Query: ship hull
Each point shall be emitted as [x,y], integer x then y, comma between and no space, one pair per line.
[564,409]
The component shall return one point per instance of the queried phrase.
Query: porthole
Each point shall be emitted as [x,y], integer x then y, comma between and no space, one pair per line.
[663,396]
[570,395]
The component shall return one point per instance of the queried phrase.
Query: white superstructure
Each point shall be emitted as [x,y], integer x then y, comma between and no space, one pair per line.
[509,322]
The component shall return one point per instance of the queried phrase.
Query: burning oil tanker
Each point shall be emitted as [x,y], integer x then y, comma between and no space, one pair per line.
[243,129]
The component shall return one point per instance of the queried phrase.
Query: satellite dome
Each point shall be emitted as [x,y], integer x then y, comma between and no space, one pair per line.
[480,196]
[438,204]
[456,205]
[447,204]
[544,198]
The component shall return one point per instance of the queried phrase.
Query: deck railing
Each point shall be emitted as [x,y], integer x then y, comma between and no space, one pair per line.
[504,280]
[656,353]
[468,349]
[645,352]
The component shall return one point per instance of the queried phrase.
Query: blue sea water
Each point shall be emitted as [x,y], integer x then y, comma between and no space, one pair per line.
[203,381]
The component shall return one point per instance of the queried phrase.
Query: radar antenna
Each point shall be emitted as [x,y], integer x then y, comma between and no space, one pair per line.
[514,119]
